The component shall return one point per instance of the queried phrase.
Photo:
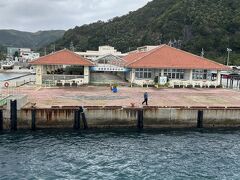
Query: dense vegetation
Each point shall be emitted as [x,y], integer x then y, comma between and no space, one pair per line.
[36,40]
[2,53]
[190,24]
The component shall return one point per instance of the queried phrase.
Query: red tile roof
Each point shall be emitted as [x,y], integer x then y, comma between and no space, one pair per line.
[170,58]
[133,56]
[62,57]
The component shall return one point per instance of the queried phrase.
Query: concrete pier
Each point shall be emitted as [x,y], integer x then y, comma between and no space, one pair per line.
[127,117]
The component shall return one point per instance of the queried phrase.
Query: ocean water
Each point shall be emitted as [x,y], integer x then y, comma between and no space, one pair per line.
[8,75]
[120,154]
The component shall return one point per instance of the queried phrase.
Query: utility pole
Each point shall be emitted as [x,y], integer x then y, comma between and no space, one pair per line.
[202,53]
[45,51]
[228,58]
[54,47]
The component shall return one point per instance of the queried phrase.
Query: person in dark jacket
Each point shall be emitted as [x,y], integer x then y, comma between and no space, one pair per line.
[145,98]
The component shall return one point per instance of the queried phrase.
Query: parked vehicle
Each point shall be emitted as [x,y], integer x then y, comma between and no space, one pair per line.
[8,65]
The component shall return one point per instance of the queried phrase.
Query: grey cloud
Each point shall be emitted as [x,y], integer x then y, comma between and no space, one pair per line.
[34,15]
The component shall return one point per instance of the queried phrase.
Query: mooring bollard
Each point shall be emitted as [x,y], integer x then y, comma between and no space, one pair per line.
[85,125]
[1,120]
[140,119]
[13,115]
[200,119]
[77,118]
[33,118]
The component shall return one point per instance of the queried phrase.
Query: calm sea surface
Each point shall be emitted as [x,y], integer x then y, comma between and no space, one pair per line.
[6,76]
[123,154]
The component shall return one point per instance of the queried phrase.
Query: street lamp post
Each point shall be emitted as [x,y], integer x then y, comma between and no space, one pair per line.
[228,50]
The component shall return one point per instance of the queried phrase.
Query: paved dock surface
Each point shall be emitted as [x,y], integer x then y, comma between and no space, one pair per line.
[102,96]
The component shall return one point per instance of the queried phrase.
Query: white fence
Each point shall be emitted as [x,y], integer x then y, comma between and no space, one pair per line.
[61,77]
[62,80]
[200,83]
[231,84]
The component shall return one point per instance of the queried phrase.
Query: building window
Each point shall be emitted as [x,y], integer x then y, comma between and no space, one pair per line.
[201,74]
[174,73]
[143,73]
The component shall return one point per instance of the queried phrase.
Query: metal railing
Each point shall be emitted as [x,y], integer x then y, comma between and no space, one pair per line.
[194,83]
[54,77]
[23,82]
[3,100]
[231,82]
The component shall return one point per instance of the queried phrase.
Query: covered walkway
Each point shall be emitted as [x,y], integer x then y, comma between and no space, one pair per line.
[106,78]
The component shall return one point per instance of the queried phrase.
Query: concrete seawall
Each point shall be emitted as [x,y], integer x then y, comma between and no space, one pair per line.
[118,117]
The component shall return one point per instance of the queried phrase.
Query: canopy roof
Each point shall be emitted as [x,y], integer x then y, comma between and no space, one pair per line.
[110,59]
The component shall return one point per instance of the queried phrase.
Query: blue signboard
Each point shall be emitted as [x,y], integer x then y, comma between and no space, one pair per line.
[109,69]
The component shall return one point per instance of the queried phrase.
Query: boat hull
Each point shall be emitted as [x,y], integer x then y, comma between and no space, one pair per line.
[5,67]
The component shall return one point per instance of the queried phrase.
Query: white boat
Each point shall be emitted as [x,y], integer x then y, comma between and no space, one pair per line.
[8,65]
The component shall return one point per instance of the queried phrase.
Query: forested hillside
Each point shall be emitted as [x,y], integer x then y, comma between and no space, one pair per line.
[36,40]
[191,25]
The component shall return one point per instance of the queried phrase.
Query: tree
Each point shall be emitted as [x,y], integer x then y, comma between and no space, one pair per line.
[2,56]
[191,24]
[16,54]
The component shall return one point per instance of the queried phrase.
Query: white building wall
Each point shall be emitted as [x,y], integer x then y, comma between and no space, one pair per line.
[219,78]
[86,75]
[39,73]
[102,50]
[185,82]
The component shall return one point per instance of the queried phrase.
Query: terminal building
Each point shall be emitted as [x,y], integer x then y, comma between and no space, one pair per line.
[176,66]
[102,51]
[147,65]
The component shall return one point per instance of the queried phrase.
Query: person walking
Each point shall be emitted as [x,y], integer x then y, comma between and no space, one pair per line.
[145,98]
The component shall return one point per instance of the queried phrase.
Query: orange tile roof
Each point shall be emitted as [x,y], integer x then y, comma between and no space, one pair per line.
[133,56]
[170,58]
[62,57]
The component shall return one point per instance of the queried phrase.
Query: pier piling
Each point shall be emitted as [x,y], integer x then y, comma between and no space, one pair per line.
[85,125]
[1,120]
[33,118]
[140,119]
[77,118]
[13,114]
[200,119]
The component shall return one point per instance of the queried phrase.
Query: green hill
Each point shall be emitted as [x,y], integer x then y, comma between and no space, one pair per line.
[191,24]
[36,40]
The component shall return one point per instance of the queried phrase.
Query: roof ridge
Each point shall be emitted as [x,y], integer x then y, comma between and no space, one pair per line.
[186,52]
[47,55]
[62,50]
[75,54]
[147,53]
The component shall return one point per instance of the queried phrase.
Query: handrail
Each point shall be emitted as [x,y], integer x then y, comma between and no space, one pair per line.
[3,101]
[61,77]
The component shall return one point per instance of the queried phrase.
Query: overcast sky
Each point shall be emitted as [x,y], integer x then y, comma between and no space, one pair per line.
[34,15]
